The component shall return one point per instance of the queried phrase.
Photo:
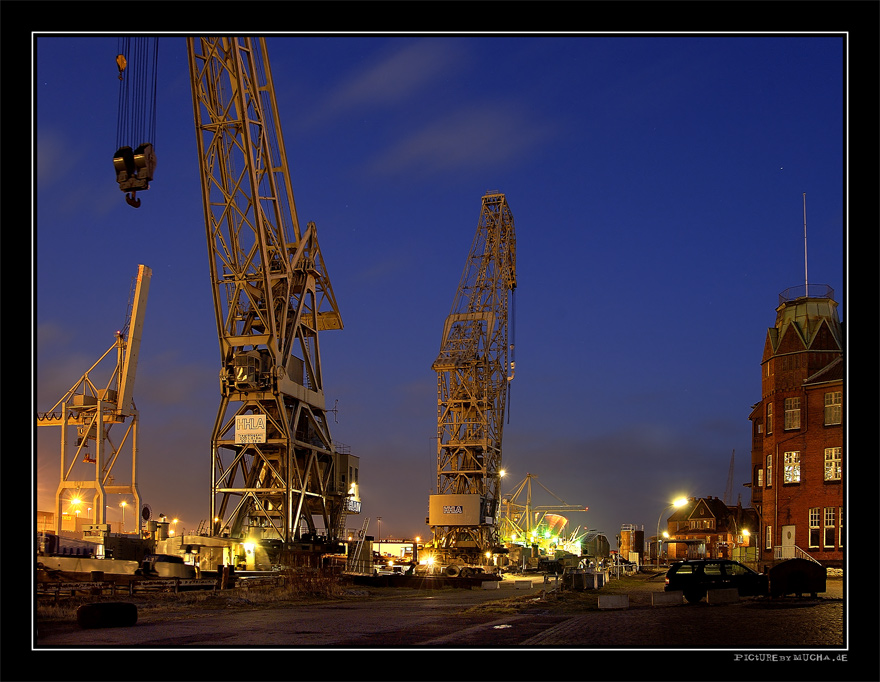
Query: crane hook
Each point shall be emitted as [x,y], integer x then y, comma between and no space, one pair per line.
[131,201]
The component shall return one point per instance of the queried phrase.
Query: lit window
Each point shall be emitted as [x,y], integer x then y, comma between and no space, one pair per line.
[792,413]
[768,538]
[769,418]
[769,471]
[833,407]
[791,470]
[833,464]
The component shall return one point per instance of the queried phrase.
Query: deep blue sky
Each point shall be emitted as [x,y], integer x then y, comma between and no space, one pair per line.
[656,184]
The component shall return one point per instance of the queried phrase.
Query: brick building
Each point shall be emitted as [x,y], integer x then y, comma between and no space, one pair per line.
[708,528]
[797,431]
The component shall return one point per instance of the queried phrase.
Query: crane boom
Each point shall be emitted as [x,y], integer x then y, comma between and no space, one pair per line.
[275,466]
[474,368]
[128,366]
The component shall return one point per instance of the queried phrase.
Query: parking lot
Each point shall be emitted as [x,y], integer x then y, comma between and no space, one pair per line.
[539,616]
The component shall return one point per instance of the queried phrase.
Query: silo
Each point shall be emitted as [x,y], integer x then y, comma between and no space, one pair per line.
[632,543]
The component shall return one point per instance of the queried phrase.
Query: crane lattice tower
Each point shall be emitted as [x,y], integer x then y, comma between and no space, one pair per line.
[276,473]
[474,369]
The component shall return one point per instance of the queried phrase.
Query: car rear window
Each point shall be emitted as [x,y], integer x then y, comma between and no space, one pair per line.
[736,569]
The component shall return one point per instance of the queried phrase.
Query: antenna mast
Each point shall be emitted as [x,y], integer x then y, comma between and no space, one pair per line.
[806,284]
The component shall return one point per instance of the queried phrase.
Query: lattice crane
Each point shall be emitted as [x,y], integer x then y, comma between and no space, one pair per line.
[522,519]
[474,369]
[275,467]
[94,410]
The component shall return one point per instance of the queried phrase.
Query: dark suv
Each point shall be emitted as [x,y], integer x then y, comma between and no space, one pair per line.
[695,577]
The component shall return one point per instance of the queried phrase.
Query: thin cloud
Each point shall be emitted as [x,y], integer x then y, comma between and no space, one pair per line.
[482,136]
[396,78]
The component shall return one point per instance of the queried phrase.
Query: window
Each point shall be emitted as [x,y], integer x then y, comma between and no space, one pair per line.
[833,464]
[792,413]
[791,470]
[768,538]
[833,407]
[814,527]
[760,480]
[840,534]
[769,418]
[829,528]
[712,569]
[769,471]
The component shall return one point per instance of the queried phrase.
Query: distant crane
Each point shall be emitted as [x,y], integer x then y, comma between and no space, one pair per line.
[94,411]
[522,519]
[474,368]
[728,492]
[276,471]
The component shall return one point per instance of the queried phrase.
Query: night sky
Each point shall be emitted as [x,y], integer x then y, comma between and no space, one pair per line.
[657,186]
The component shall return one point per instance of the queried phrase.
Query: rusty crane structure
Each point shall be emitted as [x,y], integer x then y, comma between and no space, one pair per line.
[474,369]
[277,474]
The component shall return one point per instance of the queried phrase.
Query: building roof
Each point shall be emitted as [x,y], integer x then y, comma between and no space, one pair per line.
[833,371]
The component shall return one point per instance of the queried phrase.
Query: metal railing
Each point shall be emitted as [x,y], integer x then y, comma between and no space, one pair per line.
[792,552]
[806,291]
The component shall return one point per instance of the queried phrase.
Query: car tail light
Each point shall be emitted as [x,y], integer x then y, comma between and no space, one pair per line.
[667,580]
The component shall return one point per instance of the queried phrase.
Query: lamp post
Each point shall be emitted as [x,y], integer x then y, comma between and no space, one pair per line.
[680,502]
[122,506]
[379,533]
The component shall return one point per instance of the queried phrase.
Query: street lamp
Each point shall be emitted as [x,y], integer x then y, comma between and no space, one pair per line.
[122,505]
[680,502]
[379,532]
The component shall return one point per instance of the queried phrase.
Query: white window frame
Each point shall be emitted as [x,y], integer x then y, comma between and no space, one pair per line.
[833,464]
[792,414]
[833,408]
[815,527]
[791,468]
[829,528]
[769,471]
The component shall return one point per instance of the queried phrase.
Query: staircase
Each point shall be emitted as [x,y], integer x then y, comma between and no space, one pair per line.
[792,552]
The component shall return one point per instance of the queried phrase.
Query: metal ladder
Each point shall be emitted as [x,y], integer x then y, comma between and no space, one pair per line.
[356,557]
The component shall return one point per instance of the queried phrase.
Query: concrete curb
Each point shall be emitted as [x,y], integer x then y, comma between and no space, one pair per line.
[724,595]
[674,598]
[613,601]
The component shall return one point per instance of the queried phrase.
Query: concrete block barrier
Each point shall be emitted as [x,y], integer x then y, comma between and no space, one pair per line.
[523,584]
[725,595]
[613,601]
[491,584]
[673,598]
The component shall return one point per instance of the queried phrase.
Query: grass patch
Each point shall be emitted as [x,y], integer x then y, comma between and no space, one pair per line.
[295,587]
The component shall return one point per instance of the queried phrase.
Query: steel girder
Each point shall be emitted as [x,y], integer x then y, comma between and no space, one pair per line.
[272,296]
[474,369]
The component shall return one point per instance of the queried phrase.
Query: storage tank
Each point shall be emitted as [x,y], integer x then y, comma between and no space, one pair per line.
[632,543]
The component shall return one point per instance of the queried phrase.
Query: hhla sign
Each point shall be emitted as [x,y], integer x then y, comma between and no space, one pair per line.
[250,428]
